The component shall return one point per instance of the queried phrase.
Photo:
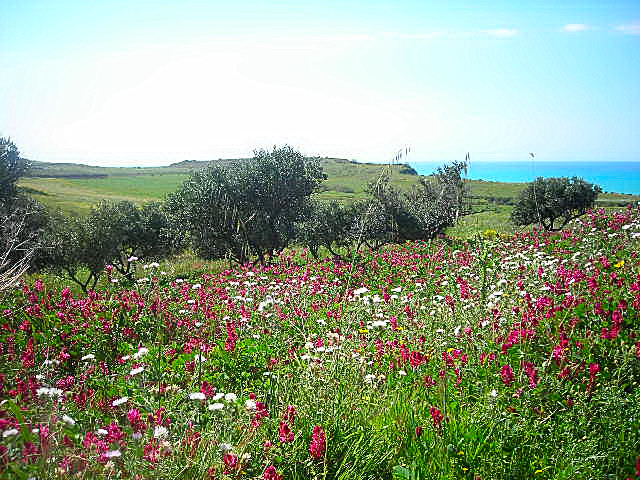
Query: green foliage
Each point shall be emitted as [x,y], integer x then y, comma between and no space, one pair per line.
[328,225]
[392,215]
[549,199]
[248,209]
[12,167]
[113,233]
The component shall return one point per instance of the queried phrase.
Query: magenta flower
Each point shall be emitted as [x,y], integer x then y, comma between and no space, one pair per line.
[271,473]
[230,462]
[507,375]
[318,445]
[437,417]
[286,435]
[290,415]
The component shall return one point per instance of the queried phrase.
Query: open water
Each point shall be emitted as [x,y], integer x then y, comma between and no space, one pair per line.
[619,177]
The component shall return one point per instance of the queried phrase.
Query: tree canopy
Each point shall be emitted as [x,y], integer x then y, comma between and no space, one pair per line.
[12,167]
[249,208]
[114,233]
[547,200]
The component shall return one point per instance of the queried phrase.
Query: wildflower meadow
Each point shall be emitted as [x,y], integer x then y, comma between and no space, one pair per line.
[498,357]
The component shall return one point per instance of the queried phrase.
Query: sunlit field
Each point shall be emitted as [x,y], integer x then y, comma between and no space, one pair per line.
[498,357]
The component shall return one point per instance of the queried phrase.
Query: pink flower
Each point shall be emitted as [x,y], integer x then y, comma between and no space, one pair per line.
[271,473]
[136,421]
[531,372]
[437,417]
[286,435]
[290,415]
[152,451]
[318,445]
[232,337]
[507,375]
[230,462]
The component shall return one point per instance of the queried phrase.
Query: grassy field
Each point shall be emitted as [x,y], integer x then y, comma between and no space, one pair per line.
[74,189]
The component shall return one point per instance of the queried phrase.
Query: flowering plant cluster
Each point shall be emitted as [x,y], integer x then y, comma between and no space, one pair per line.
[490,358]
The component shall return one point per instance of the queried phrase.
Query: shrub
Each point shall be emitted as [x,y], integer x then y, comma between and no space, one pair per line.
[326,225]
[249,208]
[113,233]
[549,199]
[16,248]
[392,215]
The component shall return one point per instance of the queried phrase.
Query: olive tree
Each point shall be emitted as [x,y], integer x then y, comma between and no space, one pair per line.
[328,225]
[248,209]
[12,168]
[394,215]
[113,233]
[547,200]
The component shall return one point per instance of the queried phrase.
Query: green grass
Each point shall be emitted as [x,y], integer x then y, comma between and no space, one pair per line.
[76,196]
[74,189]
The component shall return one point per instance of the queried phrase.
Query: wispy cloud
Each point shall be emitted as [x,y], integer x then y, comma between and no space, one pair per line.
[632,28]
[575,27]
[501,32]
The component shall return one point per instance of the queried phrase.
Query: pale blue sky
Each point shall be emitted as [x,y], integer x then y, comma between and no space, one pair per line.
[153,82]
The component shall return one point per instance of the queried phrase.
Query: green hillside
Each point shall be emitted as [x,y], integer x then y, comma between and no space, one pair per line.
[75,188]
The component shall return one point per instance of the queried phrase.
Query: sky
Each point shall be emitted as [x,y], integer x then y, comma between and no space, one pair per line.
[141,83]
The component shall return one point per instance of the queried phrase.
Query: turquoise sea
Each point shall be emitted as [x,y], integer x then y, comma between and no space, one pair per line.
[619,177]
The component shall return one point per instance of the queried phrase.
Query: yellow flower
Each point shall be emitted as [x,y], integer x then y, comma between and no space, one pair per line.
[364,330]
[619,264]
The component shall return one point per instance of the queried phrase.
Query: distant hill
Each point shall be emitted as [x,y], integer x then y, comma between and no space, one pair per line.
[78,170]
[196,164]
[75,187]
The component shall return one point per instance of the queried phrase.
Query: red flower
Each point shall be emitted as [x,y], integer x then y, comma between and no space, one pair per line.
[286,435]
[271,473]
[436,416]
[318,445]
[507,375]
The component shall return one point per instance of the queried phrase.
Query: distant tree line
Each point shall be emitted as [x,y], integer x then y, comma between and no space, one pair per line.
[246,211]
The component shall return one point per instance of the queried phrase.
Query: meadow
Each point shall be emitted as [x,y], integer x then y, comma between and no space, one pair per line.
[503,356]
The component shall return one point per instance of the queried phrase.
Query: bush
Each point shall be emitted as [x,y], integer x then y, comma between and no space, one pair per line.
[248,209]
[549,199]
[12,167]
[326,225]
[113,233]
[392,215]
